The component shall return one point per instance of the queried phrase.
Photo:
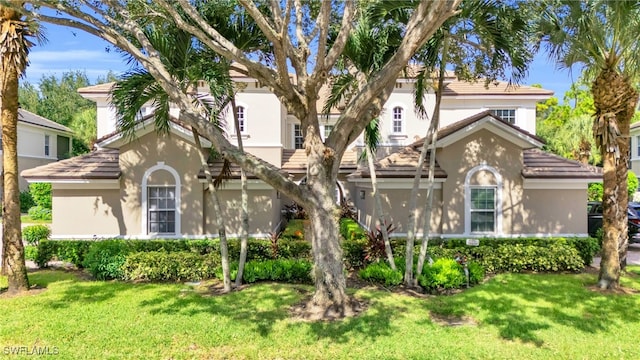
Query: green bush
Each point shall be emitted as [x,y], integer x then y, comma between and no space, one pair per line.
[30,252]
[26,201]
[164,266]
[381,273]
[294,229]
[72,251]
[353,253]
[351,230]
[105,259]
[32,234]
[518,258]
[284,270]
[41,194]
[39,213]
[443,274]
[476,272]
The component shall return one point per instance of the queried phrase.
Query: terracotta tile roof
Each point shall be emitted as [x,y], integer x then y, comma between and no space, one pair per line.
[97,89]
[543,165]
[457,88]
[401,164]
[295,161]
[99,164]
[27,117]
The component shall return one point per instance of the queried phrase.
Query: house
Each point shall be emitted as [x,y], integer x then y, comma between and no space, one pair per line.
[492,178]
[634,158]
[40,141]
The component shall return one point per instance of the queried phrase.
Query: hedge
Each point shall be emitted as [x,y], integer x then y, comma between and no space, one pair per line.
[165,266]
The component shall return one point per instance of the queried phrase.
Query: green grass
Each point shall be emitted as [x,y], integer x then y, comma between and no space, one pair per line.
[516,317]
[26,219]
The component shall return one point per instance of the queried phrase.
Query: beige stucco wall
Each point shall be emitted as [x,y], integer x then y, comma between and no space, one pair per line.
[395,204]
[150,150]
[548,211]
[87,212]
[28,163]
[459,158]
[264,212]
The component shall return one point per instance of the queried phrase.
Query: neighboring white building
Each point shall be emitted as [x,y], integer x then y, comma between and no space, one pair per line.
[40,141]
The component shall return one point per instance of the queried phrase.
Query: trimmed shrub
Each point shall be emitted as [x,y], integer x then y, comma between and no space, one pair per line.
[518,258]
[381,273]
[351,230]
[476,272]
[30,252]
[443,274]
[105,259]
[41,194]
[284,270]
[294,229]
[39,213]
[164,266]
[353,253]
[32,234]
[26,201]
[73,251]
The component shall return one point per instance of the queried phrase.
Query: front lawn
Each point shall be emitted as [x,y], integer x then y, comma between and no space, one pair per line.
[516,316]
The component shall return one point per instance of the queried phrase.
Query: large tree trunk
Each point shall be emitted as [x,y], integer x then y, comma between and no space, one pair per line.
[330,297]
[11,231]
[222,234]
[378,203]
[615,100]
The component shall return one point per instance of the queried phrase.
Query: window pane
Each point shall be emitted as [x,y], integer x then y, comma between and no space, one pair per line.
[153,227]
[153,192]
[153,204]
[153,216]
[161,209]
[171,216]
[171,227]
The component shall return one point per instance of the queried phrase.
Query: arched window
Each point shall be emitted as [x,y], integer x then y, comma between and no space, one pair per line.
[397,120]
[483,201]
[161,201]
[241,110]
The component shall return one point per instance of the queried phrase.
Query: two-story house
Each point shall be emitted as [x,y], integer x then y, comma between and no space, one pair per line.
[492,179]
[40,141]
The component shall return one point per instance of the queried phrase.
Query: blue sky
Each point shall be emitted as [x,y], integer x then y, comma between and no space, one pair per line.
[70,49]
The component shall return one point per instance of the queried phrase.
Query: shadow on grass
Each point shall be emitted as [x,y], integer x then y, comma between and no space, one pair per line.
[520,305]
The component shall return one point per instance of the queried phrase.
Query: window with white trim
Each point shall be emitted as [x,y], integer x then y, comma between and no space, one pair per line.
[327,131]
[638,145]
[508,115]
[241,111]
[483,209]
[397,120]
[161,206]
[47,147]
[298,139]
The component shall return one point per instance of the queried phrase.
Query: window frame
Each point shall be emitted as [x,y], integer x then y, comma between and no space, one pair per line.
[473,210]
[159,210]
[297,135]
[242,120]
[47,145]
[509,119]
[144,208]
[397,120]
[497,184]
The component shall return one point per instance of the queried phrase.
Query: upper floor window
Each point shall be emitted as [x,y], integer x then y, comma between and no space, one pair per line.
[241,118]
[327,131]
[298,139]
[508,115]
[397,120]
[47,141]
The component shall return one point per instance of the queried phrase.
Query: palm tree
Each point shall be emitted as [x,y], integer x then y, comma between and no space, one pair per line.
[601,36]
[13,51]
[187,65]
[487,39]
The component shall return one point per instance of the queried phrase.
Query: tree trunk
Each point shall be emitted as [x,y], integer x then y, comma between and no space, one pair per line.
[379,210]
[615,100]
[244,201]
[433,132]
[611,237]
[11,231]
[330,297]
[224,248]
